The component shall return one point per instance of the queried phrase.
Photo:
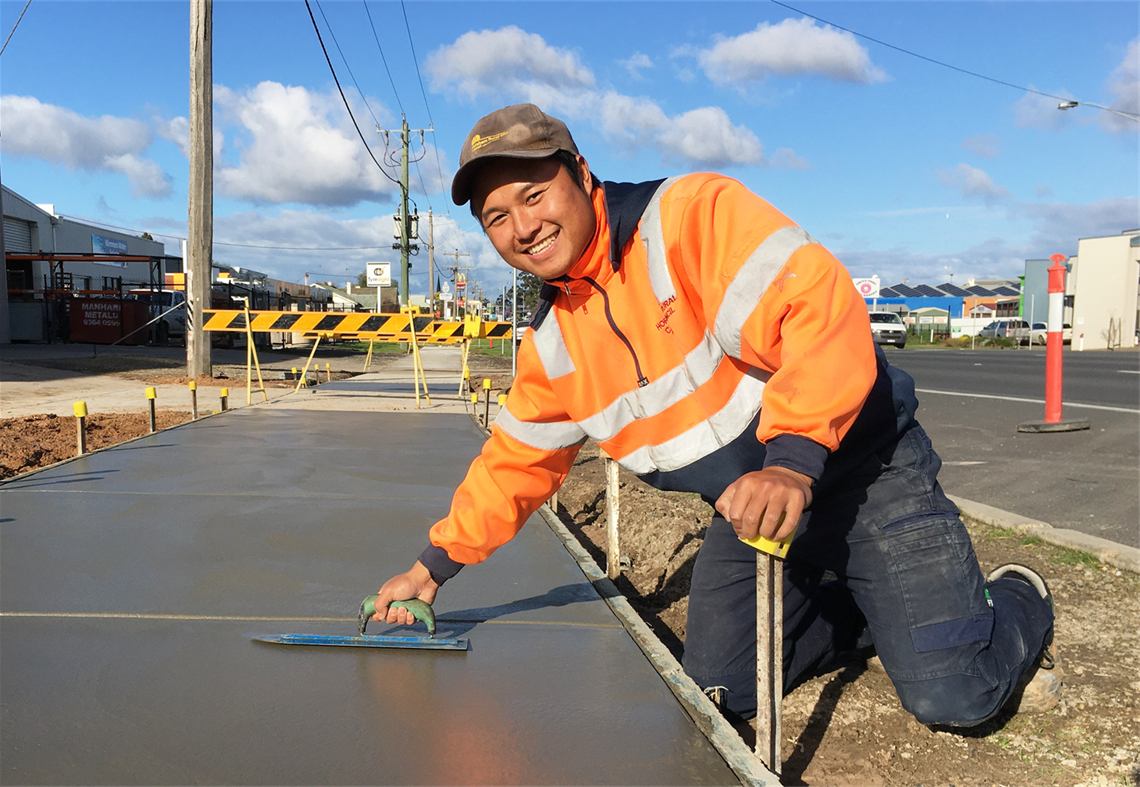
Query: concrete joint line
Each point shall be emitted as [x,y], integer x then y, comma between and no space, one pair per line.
[1125,558]
[701,710]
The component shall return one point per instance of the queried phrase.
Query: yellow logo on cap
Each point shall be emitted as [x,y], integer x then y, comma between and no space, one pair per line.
[478,142]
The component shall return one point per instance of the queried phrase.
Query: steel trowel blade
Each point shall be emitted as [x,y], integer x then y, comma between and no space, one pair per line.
[365,641]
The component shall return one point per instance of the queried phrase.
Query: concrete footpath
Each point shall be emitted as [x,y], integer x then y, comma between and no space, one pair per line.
[133,580]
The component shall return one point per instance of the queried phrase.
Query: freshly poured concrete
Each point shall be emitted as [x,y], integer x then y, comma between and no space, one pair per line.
[132,582]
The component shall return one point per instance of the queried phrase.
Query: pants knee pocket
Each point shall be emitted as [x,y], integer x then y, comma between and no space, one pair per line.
[942,590]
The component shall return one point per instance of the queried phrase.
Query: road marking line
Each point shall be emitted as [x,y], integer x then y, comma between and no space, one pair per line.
[1032,401]
[1128,371]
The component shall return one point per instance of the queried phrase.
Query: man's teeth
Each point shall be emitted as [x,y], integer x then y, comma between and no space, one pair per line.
[541,247]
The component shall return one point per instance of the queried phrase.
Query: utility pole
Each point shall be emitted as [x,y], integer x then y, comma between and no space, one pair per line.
[200,229]
[431,262]
[406,235]
[454,277]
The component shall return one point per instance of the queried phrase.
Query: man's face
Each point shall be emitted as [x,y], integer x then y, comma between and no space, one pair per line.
[535,215]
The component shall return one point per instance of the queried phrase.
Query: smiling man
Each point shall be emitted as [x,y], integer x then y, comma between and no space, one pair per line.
[710,345]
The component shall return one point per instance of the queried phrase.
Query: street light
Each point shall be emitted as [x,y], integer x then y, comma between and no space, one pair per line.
[1071,104]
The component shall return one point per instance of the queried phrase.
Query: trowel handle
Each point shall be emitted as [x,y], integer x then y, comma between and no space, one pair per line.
[420,610]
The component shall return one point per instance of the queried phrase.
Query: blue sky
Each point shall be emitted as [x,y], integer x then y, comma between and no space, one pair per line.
[901,167]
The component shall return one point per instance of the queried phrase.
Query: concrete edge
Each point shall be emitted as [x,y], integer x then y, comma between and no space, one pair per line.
[724,738]
[1120,556]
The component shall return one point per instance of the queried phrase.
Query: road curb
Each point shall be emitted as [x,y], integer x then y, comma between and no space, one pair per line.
[1120,556]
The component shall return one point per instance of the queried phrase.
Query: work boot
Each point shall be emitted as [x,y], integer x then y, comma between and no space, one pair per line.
[1039,688]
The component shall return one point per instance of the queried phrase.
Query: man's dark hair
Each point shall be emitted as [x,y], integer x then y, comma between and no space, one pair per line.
[569,162]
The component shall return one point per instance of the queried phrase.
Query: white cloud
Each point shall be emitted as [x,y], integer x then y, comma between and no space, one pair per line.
[707,136]
[511,64]
[792,47]
[984,145]
[177,131]
[1124,84]
[972,182]
[297,146]
[1044,190]
[62,136]
[786,158]
[488,62]
[636,64]
[1040,112]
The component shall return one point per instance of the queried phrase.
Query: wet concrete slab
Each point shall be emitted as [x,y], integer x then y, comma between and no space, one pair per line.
[133,580]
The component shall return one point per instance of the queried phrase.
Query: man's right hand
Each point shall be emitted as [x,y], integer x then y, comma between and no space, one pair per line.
[416,583]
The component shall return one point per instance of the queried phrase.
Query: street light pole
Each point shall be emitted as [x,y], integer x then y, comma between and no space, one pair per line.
[1071,104]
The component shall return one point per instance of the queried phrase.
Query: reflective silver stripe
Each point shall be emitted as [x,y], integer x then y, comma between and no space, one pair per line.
[552,348]
[544,436]
[706,437]
[679,382]
[752,281]
[653,236]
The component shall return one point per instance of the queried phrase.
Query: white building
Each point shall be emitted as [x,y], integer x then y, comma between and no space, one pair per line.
[1105,284]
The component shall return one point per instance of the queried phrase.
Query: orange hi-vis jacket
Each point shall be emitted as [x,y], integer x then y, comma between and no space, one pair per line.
[702,335]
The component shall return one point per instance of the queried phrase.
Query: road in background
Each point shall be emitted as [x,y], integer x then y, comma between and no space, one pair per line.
[971,403]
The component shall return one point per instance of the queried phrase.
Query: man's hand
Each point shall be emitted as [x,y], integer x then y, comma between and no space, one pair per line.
[416,583]
[768,502]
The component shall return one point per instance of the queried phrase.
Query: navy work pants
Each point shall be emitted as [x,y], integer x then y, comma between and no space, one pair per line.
[881,558]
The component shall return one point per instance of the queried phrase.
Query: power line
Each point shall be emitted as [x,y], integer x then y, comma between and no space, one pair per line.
[9,38]
[382,58]
[342,96]
[920,57]
[431,122]
[220,243]
[345,59]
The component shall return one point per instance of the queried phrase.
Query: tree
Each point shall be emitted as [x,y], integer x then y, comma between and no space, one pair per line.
[362,279]
[529,287]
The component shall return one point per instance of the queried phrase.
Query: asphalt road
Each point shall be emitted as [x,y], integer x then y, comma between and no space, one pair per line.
[971,403]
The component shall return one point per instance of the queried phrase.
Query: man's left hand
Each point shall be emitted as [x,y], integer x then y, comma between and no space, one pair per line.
[768,502]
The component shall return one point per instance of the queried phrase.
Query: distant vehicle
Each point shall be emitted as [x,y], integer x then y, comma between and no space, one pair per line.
[1040,333]
[1018,330]
[173,323]
[888,328]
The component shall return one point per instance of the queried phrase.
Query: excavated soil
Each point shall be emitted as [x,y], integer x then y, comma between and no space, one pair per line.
[848,727]
[40,440]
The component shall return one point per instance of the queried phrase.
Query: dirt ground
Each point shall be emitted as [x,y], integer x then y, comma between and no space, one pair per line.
[848,727]
[40,440]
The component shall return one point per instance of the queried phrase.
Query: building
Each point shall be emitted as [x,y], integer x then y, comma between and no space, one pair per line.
[1104,280]
[48,258]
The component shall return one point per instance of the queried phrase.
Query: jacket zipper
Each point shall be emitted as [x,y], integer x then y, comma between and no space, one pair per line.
[642,380]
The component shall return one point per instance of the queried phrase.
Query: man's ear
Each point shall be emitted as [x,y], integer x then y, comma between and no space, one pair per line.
[584,174]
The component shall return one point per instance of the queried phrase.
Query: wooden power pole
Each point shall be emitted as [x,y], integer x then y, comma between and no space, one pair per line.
[200,230]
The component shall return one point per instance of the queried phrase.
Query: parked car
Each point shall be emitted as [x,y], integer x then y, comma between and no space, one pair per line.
[888,328]
[1018,330]
[1039,333]
[173,322]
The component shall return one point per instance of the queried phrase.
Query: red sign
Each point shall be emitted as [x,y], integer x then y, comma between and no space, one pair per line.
[107,320]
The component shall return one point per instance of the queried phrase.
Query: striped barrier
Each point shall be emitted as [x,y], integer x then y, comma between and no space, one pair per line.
[363,325]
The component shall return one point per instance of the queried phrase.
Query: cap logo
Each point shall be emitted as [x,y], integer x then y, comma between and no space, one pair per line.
[478,142]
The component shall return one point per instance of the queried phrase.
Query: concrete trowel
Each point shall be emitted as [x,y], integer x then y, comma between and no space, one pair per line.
[421,610]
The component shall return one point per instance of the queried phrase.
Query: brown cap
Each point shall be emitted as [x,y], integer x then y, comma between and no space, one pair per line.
[519,131]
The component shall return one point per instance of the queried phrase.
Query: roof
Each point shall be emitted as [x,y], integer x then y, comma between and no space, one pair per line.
[997,288]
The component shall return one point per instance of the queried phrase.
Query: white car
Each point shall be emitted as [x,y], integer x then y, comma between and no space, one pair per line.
[888,328]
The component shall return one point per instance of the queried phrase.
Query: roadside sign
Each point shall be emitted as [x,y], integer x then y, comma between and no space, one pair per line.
[926,320]
[445,296]
[378,274]
[868,288]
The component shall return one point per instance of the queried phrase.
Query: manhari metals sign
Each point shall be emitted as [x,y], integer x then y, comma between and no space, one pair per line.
[378,274]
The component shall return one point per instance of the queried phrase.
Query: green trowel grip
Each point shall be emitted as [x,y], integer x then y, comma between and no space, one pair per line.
[420,610]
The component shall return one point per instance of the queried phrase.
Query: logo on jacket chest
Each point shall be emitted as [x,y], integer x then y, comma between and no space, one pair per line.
[667,311]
